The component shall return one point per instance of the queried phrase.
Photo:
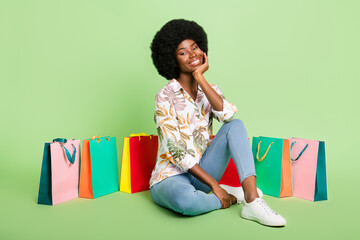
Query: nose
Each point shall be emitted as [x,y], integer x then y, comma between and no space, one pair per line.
[192,54]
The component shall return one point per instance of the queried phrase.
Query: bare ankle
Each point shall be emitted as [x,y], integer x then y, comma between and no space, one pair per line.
[251,197]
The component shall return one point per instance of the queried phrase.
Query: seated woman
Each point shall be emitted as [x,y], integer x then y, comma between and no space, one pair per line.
[189,163]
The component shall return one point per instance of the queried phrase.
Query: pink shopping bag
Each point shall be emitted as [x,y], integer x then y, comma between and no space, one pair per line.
[59,180]
[308,169]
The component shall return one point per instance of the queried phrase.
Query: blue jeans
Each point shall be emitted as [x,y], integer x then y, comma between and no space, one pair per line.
[187,195]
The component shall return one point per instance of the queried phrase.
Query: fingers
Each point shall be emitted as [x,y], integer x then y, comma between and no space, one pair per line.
[225,202]
[205,57]
[223,196]
[228,203]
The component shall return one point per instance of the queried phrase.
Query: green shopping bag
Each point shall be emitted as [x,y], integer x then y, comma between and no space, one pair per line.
[99,167]
[273,166]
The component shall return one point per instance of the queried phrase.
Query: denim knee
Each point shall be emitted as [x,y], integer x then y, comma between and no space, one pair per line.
[186,206]
[236,124]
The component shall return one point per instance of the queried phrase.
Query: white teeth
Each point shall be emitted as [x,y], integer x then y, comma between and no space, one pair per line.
[195,62]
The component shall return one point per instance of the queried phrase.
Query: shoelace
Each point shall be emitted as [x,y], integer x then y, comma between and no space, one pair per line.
[266,207]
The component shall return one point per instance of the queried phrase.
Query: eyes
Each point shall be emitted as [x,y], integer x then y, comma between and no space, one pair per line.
[195,47]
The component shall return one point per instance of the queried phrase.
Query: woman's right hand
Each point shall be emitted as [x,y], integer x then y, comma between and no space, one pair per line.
[223,196]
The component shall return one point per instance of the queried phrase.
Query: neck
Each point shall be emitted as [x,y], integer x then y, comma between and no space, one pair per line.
[187,81]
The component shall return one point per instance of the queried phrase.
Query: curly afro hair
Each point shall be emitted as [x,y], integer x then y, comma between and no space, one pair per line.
[167,40]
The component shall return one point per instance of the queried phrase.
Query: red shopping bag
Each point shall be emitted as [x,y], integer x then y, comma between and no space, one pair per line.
[231,176]
[138,161]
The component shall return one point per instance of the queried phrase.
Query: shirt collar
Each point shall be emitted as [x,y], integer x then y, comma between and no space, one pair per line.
[176,86]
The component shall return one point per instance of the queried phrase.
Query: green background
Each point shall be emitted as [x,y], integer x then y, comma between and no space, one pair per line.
[76,68]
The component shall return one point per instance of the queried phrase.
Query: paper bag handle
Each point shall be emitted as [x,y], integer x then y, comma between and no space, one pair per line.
[140,135]
[70,158]
[94,137]
[302,151]
[258,149]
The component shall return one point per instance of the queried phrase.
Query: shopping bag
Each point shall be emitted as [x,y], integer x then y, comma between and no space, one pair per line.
[273,166]
[308,169]
[99,167]
[231,176]
[138,161]
[59,178]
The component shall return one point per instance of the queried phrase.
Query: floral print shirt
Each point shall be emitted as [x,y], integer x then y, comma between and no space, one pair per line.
[184,128]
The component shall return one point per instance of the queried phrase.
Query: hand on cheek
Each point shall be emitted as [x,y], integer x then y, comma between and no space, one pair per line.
[204,66]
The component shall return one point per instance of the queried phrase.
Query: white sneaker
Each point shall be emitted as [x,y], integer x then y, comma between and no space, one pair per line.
[238,192]
[259,211]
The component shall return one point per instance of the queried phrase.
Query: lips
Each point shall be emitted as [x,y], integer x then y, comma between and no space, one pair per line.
[195,62]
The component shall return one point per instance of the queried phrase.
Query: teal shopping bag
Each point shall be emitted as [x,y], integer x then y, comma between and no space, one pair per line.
[273,166]
[45,194]
[99,167]
[104,166]
[320,184]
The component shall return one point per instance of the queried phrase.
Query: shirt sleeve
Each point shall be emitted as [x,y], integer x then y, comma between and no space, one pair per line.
[228,111]
[175,134]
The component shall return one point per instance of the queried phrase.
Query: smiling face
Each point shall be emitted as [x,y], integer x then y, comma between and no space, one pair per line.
[188,56]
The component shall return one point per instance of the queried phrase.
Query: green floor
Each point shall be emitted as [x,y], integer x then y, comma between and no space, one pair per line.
[124,216]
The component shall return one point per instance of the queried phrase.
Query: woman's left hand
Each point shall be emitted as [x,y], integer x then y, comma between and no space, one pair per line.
[203,67]
[205,178]
[222,195]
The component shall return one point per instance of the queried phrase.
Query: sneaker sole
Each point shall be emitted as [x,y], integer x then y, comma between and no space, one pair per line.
[261,222]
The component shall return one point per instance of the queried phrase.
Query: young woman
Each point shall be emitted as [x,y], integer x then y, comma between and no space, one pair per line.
[189,163]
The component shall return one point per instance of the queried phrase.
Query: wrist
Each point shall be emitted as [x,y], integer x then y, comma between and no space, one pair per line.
[214,185]
[197,75]
[199,78]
